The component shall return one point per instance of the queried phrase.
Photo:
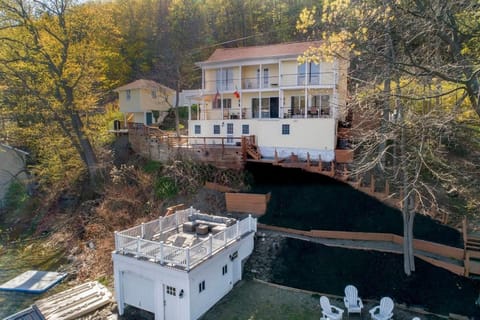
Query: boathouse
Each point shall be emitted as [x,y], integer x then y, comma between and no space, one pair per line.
[179,266]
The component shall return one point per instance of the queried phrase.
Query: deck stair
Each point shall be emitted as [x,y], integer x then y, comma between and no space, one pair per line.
[250,149]
[472,253]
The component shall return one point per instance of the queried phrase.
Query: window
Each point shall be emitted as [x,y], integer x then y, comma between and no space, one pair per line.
[265,77]
[129,94]
[198,129]
[171,291]
[201,286]
[297,105]
[154,94]
[245,129]
[216,129]
[285,129]
[224,269]
[227,103]
[225,79]
[229,128]
[313,71]
[229,132]
[265,107]
[322,103]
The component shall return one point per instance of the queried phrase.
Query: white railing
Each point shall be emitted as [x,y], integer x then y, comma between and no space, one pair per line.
[134,241]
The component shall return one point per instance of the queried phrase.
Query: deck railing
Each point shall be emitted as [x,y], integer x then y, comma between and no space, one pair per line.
[138,241]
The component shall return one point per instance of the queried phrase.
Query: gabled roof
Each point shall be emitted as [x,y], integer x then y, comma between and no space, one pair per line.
[268,51]
[142,84]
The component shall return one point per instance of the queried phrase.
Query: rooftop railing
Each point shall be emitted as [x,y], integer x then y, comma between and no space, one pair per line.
[139,241]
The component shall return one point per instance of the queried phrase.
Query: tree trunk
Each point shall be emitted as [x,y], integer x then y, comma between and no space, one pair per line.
[177,96]
[88,156]
[408,214]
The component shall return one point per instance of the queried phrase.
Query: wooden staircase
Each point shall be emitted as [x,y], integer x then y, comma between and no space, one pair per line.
[250,148]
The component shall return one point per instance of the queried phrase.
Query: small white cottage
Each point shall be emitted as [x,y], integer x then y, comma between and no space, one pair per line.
[179,266]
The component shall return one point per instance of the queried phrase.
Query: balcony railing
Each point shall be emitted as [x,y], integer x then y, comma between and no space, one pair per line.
[321,79]
[139,241]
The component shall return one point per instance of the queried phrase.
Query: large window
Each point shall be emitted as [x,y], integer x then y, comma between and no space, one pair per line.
[297,105]
[225,79]
[321,103]
[265,108]
[308,73]
[216,129]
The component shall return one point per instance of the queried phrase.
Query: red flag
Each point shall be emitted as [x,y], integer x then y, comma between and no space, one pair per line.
[236,94]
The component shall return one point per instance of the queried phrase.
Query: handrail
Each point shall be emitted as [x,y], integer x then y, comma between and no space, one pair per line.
[128,242]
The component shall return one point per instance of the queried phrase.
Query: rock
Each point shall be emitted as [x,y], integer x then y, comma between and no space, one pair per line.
[91,245]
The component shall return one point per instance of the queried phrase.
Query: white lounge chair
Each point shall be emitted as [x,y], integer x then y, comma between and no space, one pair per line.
[384,310]
[329,311]
[352,302]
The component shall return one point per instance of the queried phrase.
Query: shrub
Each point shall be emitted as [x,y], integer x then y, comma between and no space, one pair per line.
[16,196]
[165,188]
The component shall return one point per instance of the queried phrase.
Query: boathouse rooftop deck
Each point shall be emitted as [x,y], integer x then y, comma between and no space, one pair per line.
[182,240]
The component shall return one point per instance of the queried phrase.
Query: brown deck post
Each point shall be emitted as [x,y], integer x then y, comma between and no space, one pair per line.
[276,157]
[308,159]
[332,168]
[466,264]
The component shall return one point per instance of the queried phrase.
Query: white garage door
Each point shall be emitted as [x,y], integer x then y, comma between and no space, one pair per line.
[138,291]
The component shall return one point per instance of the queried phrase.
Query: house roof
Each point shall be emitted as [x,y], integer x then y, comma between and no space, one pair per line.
[267,51]
[142,84]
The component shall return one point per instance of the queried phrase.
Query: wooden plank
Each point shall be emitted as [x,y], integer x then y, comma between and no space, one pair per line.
[439,249]
[459,270]
[75,302]
[247,202]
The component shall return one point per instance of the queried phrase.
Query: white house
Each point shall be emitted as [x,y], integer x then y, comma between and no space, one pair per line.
[142,100]
[179,266]
[263,91]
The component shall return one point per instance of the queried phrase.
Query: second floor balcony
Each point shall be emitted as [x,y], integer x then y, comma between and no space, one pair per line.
[284,81]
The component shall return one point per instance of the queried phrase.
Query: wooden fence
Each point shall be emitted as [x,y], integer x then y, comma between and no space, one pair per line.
[424,249]
[247,202]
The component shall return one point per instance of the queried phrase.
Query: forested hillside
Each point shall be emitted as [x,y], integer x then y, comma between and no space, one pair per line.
[414,66]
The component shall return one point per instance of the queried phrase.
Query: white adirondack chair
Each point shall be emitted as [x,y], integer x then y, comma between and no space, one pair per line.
[384,310]
[352,302]
[329,311]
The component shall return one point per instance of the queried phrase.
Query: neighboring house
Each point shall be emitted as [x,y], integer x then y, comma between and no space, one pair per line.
[179,266]
[262,91]
[142,100]
[12,167]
